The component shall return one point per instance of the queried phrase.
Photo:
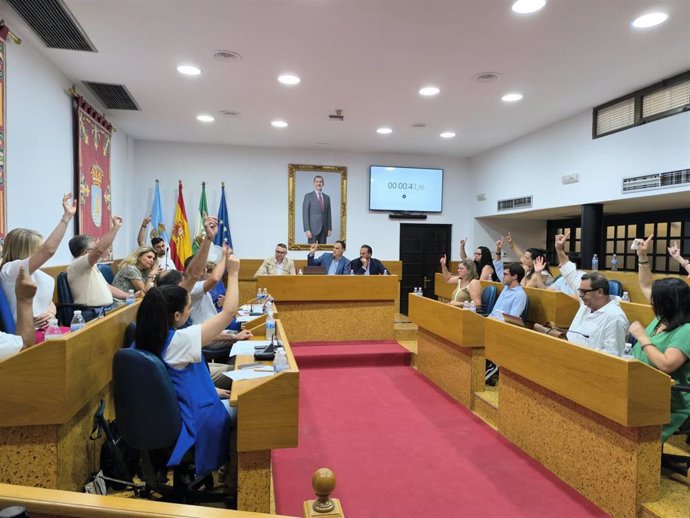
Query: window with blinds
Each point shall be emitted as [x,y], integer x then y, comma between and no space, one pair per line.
[663,99]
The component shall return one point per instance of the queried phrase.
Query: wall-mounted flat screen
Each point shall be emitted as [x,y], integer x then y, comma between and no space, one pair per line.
[405,189]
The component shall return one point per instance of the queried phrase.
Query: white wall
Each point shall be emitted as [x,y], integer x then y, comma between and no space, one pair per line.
[40,158]
[256,181]
[535,163]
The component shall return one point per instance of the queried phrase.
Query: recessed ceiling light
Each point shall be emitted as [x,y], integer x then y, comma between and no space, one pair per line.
[649,20]
[204,118]
[511,98]
[428,91]
[384,131]
[528,6]
[189,70]
[289,79]
[447,134]
[279,124]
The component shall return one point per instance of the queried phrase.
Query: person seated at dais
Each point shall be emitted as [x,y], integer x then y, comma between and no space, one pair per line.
[335,263]
[136,271]
[527,258]
[513,298]
[277,265]
[158,245]
[366,264]
[665,342]
[600,317]
[468,287]
[482,261]
[23,249]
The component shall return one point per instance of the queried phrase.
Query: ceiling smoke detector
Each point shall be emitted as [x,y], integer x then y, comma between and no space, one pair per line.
[486,77]
[226,56]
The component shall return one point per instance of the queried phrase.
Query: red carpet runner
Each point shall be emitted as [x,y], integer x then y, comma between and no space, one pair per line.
[401,448]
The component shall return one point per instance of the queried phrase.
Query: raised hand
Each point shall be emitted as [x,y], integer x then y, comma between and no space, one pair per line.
[68,206]
[232,264]
[539,264]
[561,240]
[211,226]
[509,238]
[499,244]
[24,287]
[117,221]
[643,246]
[146,221]
[443,260]
[463,242]
[674,251]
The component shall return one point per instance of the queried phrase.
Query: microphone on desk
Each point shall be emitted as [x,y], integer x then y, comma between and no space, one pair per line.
[576,332]
[279,268]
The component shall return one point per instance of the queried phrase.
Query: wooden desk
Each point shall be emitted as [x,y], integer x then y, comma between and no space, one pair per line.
[592,419]
[450,347]
[642,312]
[49,395]
[335,307]
[554,306]
[267,419]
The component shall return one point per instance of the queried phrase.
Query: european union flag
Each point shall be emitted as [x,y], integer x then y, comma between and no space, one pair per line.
[223,236]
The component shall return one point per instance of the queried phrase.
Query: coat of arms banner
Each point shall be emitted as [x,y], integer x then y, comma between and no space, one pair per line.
[94,135]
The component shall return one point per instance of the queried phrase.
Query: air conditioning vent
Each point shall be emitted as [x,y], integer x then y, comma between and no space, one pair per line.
[516,203]
[53,23]
[655,181]
[113,97]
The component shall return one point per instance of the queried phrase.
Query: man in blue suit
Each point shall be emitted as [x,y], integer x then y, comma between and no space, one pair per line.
[316,214]
[335,263]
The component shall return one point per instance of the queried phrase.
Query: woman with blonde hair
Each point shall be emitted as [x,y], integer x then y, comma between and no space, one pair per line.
[468,288]
[25,248]
[137,271]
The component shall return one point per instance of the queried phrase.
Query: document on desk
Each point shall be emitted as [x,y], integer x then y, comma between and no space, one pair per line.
[250,374]
[246,318]
[245,348]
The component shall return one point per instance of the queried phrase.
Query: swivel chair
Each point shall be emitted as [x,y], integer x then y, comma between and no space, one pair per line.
[107,272]
[6,319]
[148,418]
[489,296]
[66,305]
[615,288]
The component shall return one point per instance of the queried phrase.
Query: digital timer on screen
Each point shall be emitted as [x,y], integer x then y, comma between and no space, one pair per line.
[410,189]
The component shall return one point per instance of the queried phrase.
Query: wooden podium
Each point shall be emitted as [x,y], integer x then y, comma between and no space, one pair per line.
[591,418]
[267,419]
[334,307]
[450,347]
[49,395]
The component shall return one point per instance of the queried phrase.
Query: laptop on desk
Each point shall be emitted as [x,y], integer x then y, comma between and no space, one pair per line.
[314,270]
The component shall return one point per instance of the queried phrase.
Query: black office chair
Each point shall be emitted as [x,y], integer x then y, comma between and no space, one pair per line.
[525,312]
[489,296]
[679,463]
[130,333]
[148,418]
[615,288]
[66,305]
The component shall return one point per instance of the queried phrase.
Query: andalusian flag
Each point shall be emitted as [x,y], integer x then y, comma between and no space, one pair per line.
[200,233]
[181,241]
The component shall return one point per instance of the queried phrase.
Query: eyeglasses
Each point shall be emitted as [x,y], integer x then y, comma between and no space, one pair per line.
[584,292]
[281,251]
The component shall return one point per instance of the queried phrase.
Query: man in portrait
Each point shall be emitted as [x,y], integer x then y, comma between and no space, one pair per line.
[316,213]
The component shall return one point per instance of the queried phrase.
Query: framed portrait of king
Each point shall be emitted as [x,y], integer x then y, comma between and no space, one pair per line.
[317,204]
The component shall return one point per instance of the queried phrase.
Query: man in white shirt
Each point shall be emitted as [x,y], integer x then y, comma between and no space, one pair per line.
[600,316]
[86,282]
[24,289]
[278,265]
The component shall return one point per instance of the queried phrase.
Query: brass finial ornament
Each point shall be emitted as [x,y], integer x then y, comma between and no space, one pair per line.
[323,483]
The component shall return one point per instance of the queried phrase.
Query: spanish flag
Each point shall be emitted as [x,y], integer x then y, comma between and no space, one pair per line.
[181,241]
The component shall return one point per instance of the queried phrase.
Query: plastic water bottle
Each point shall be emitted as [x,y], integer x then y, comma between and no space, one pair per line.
[595,263]
[625,297]
[473,307]
[300,272]
[627,350]
[614,263]
[385,272]
[352,272]
[259,294]
[78,321]
[280,362]
[53,330]
[130,297]
[270,326]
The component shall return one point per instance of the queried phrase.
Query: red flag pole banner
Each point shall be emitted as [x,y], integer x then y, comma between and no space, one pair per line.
[3,131]
[181,239]
[94,135]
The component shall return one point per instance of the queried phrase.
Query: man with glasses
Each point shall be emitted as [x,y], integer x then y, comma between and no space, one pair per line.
[513,298]
[278,265]
[600,317]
